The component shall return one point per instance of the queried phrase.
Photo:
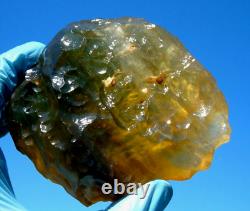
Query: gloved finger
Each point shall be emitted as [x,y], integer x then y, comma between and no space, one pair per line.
[16,61]
[156,199]
[13,65]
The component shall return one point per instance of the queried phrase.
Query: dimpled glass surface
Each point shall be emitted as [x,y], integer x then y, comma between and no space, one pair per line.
[117,98]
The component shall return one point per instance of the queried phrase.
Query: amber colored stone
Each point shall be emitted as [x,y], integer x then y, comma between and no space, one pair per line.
[118,98]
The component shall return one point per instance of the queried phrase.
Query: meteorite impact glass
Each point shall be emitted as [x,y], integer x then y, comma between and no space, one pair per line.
[117,99]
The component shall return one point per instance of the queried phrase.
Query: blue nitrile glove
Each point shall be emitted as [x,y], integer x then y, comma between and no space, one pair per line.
[8,201]
[156,199]
[13,65]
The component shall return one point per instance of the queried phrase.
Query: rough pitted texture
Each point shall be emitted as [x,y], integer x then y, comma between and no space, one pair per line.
[118,98]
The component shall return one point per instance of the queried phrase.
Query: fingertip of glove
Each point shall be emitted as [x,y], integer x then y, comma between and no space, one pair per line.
[162,186]
[24,54]
[27,54]
[33,46]
[160,182]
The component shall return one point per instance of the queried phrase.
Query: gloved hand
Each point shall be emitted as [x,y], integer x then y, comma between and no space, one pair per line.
[13,65]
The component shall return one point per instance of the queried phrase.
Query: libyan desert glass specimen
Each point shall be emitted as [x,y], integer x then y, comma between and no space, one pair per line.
[117,98]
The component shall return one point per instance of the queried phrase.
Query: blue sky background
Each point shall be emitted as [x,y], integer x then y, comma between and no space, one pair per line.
[217,33]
